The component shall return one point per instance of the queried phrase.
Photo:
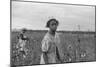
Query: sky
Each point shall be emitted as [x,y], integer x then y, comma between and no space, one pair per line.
[32,15]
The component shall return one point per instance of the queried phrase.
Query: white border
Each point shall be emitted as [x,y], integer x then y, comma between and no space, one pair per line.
[5,33]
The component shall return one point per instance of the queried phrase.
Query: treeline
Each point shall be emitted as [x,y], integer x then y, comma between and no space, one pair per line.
[72,32]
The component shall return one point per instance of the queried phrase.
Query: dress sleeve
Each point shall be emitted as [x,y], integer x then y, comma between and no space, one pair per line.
[45,45]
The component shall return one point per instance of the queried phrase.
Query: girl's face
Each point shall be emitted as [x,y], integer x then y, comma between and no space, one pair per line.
[53,26]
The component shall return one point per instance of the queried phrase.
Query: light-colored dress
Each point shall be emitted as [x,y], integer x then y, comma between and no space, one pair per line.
[21,44]
[49,44]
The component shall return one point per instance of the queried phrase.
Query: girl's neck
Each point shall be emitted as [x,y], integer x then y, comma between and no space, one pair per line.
[52,32]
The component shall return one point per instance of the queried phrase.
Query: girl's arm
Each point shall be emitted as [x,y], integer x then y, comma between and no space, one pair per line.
[45,57]
[45,50]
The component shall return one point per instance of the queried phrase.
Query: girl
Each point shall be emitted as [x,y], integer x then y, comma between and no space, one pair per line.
[49,43]
[21,44]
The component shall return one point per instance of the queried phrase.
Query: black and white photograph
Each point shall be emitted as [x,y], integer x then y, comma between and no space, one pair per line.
[45,33]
